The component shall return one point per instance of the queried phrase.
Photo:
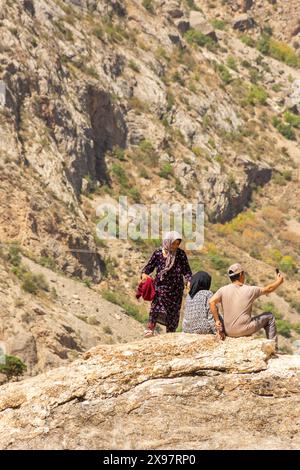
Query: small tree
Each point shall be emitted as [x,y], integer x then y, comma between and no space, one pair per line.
[13,367]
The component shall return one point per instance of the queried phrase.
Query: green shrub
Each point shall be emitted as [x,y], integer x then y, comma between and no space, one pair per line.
[166,171]
[218,262]
[277,87]
[118,152]
[191,4]
[13,367]
[255,253]
[134,66]
[254,75]
[278,50]
[267,30]
[138,105]
[32,283]
[285,129]
[296,327]
[284,328]
[287,175]
[178,186]
[14,255]
[284,53]
[134,194]
[115,32]
[161,53]
[270,307]
[257,95]
[145,146]
[119,172]
[288,265]
[246,64]
[263,44]
[176,77]
[148,5]
[231,62]
[292,119]
[48,262]
[88,283]
[91,184]
[170,100]
[196,265]
[248,40]
[144,154]
[218,24]
[100,242]
[279,179]
[224,74]
[196,37]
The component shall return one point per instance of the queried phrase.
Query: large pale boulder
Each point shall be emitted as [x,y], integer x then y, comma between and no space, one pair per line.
[185,387]
[196,19]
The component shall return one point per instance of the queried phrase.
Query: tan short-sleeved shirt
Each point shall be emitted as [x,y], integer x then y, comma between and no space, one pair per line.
[237,303]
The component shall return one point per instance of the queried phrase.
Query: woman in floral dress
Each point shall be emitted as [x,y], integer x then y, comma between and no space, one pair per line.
[172,272]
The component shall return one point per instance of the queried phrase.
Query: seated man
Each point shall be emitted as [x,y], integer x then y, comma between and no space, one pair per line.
[237,299]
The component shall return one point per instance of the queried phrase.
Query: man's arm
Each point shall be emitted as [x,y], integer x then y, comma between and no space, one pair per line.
[271,287]
[213,307]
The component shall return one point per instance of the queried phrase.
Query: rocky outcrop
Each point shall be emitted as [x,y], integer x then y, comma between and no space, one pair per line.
[173,9]
[246,5]
[199,23]
[196,19]
[174,391]
[293,99]
[182,24]
[225,197]
[243,22]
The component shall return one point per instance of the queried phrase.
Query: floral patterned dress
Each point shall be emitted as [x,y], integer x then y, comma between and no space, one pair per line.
[165,307]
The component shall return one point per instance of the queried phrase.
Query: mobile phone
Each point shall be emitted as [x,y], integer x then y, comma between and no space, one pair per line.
[277,271]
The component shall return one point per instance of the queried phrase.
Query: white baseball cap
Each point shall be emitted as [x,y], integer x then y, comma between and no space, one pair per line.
[234,269]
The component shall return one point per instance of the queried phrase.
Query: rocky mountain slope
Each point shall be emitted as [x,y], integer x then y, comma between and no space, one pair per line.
[59,322]
[181,101]
[175,392]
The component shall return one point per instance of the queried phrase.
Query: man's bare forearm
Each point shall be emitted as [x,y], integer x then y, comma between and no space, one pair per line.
[271,287]
[214,311]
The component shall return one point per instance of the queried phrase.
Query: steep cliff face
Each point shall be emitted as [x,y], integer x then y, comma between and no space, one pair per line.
[159,101]
[176,391]
[79,83]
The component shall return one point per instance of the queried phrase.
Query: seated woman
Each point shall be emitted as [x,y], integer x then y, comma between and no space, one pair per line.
[198,317]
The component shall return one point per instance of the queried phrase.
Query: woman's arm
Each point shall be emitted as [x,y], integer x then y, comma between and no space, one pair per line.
[186,270]
[149,266]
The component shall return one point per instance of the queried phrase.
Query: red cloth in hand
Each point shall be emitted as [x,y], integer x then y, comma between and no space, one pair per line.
[146,289]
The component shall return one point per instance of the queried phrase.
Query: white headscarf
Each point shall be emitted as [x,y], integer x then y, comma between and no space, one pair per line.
[168,239]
